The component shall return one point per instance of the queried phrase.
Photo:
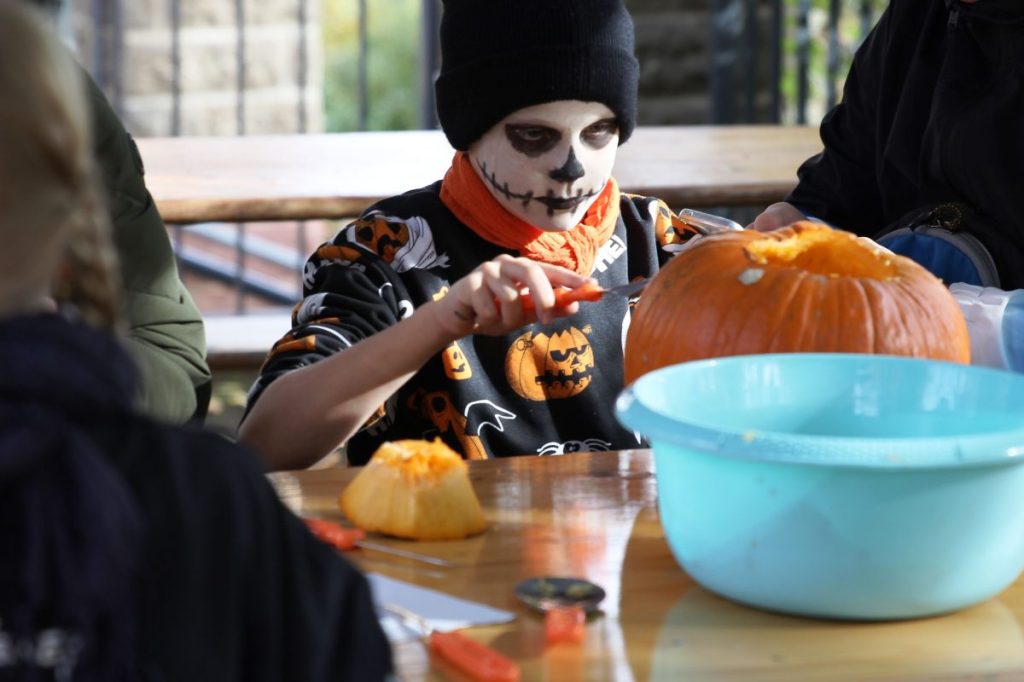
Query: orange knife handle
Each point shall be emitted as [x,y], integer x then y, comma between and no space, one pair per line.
[334,534]
[565,624]
[563,297]
[477,661]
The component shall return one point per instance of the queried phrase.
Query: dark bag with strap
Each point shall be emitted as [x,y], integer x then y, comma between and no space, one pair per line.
[943,238]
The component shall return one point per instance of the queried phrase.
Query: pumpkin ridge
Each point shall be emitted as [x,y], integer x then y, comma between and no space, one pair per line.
[910,318]
[870,337]
[829,322]
[776,341]
[809,328]
[924,309]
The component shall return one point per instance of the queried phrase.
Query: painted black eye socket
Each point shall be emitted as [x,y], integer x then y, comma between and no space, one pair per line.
[598,135]
[563,355]
[532,140]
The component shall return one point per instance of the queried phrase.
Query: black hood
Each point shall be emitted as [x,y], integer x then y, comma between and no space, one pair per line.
[997,11]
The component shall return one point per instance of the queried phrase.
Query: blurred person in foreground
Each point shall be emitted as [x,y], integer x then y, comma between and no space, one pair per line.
[925,152]
[164,328]
[129,549]
[414,324]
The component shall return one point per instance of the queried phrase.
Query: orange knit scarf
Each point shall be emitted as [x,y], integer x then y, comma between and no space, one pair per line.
[465,195]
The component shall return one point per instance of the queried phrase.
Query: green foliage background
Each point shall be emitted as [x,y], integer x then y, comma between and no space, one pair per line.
[393,33]
[849,37]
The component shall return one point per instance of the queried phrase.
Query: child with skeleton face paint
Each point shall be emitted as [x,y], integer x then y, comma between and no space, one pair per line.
[413,324]
[548,163]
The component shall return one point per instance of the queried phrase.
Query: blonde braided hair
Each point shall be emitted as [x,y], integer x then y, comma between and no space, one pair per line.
[53,222]
[90,277]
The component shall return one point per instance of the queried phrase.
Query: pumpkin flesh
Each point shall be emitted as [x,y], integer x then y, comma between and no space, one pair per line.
[414,489]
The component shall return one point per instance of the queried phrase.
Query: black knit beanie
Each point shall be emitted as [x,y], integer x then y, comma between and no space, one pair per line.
[498,56]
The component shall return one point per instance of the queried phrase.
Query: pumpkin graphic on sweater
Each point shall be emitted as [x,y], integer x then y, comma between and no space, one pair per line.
[554,366]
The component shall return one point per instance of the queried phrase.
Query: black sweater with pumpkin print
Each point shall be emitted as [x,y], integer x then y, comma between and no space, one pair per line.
[543,389]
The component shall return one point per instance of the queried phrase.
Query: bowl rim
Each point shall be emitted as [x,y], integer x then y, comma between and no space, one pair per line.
[987,449]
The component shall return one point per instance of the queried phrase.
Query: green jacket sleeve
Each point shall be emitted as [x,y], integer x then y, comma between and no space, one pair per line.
[166,335]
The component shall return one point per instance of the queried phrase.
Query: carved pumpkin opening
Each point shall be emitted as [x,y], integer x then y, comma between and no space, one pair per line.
[825,252]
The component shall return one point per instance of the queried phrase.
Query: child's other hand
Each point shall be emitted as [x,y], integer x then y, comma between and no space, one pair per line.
[488,300]
[775,216]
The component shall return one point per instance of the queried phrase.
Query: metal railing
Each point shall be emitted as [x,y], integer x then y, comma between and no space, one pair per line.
[769,50]
[766,58]
[744,35]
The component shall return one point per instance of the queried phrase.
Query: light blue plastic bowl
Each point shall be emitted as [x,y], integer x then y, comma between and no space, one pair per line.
[838,485]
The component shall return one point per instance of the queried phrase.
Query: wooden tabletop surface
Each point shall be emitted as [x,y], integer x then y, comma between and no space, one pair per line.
[292,177]
[595,516]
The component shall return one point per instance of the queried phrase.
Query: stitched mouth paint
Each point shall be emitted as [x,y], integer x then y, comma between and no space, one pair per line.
[553,203]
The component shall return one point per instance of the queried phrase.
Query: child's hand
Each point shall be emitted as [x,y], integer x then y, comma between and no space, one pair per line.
[488,300]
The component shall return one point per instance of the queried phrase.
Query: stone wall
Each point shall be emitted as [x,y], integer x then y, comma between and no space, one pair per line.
[673,47]
[209,72]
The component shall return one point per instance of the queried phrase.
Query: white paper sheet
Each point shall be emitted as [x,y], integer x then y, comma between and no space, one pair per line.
[442,611]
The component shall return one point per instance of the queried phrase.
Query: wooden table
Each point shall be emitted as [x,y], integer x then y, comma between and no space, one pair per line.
[293,177]
[595,516]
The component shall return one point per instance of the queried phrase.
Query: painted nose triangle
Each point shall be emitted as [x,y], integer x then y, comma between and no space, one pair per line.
[571,171]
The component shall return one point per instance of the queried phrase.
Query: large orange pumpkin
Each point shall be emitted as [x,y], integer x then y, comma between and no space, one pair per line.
[802,288]
[414,489]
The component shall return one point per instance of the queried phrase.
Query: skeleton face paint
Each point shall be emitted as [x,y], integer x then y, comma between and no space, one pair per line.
[547,163]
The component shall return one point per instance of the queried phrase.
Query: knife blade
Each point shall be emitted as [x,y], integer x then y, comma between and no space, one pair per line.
[590,292]
[704,223]
[346,539]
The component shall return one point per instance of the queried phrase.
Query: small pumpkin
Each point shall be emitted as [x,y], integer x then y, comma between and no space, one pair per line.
[802,288]
[414,489]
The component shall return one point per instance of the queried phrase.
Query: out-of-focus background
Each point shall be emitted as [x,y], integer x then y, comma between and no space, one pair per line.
[245,67]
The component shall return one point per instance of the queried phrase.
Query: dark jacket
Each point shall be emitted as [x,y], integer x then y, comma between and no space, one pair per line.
[228,584]
[543,389]
[932,112]
[165,334]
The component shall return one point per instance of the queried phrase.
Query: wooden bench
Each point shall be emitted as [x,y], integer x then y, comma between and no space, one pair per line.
[336,175]
[241,342]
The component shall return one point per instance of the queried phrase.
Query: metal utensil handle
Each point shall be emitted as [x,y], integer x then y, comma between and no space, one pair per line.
[707,223]
[410,619]
[405,554]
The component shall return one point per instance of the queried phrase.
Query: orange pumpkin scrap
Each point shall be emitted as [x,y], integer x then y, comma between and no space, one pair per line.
[802,288]
[565,624]
[414,489]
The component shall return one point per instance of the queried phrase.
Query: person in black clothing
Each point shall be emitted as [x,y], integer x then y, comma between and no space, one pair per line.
[129,549]
[925,153]
[414,324]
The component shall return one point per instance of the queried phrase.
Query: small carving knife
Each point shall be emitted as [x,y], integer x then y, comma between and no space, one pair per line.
[346,539]
[476,661]
[704,223]
[590,292]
